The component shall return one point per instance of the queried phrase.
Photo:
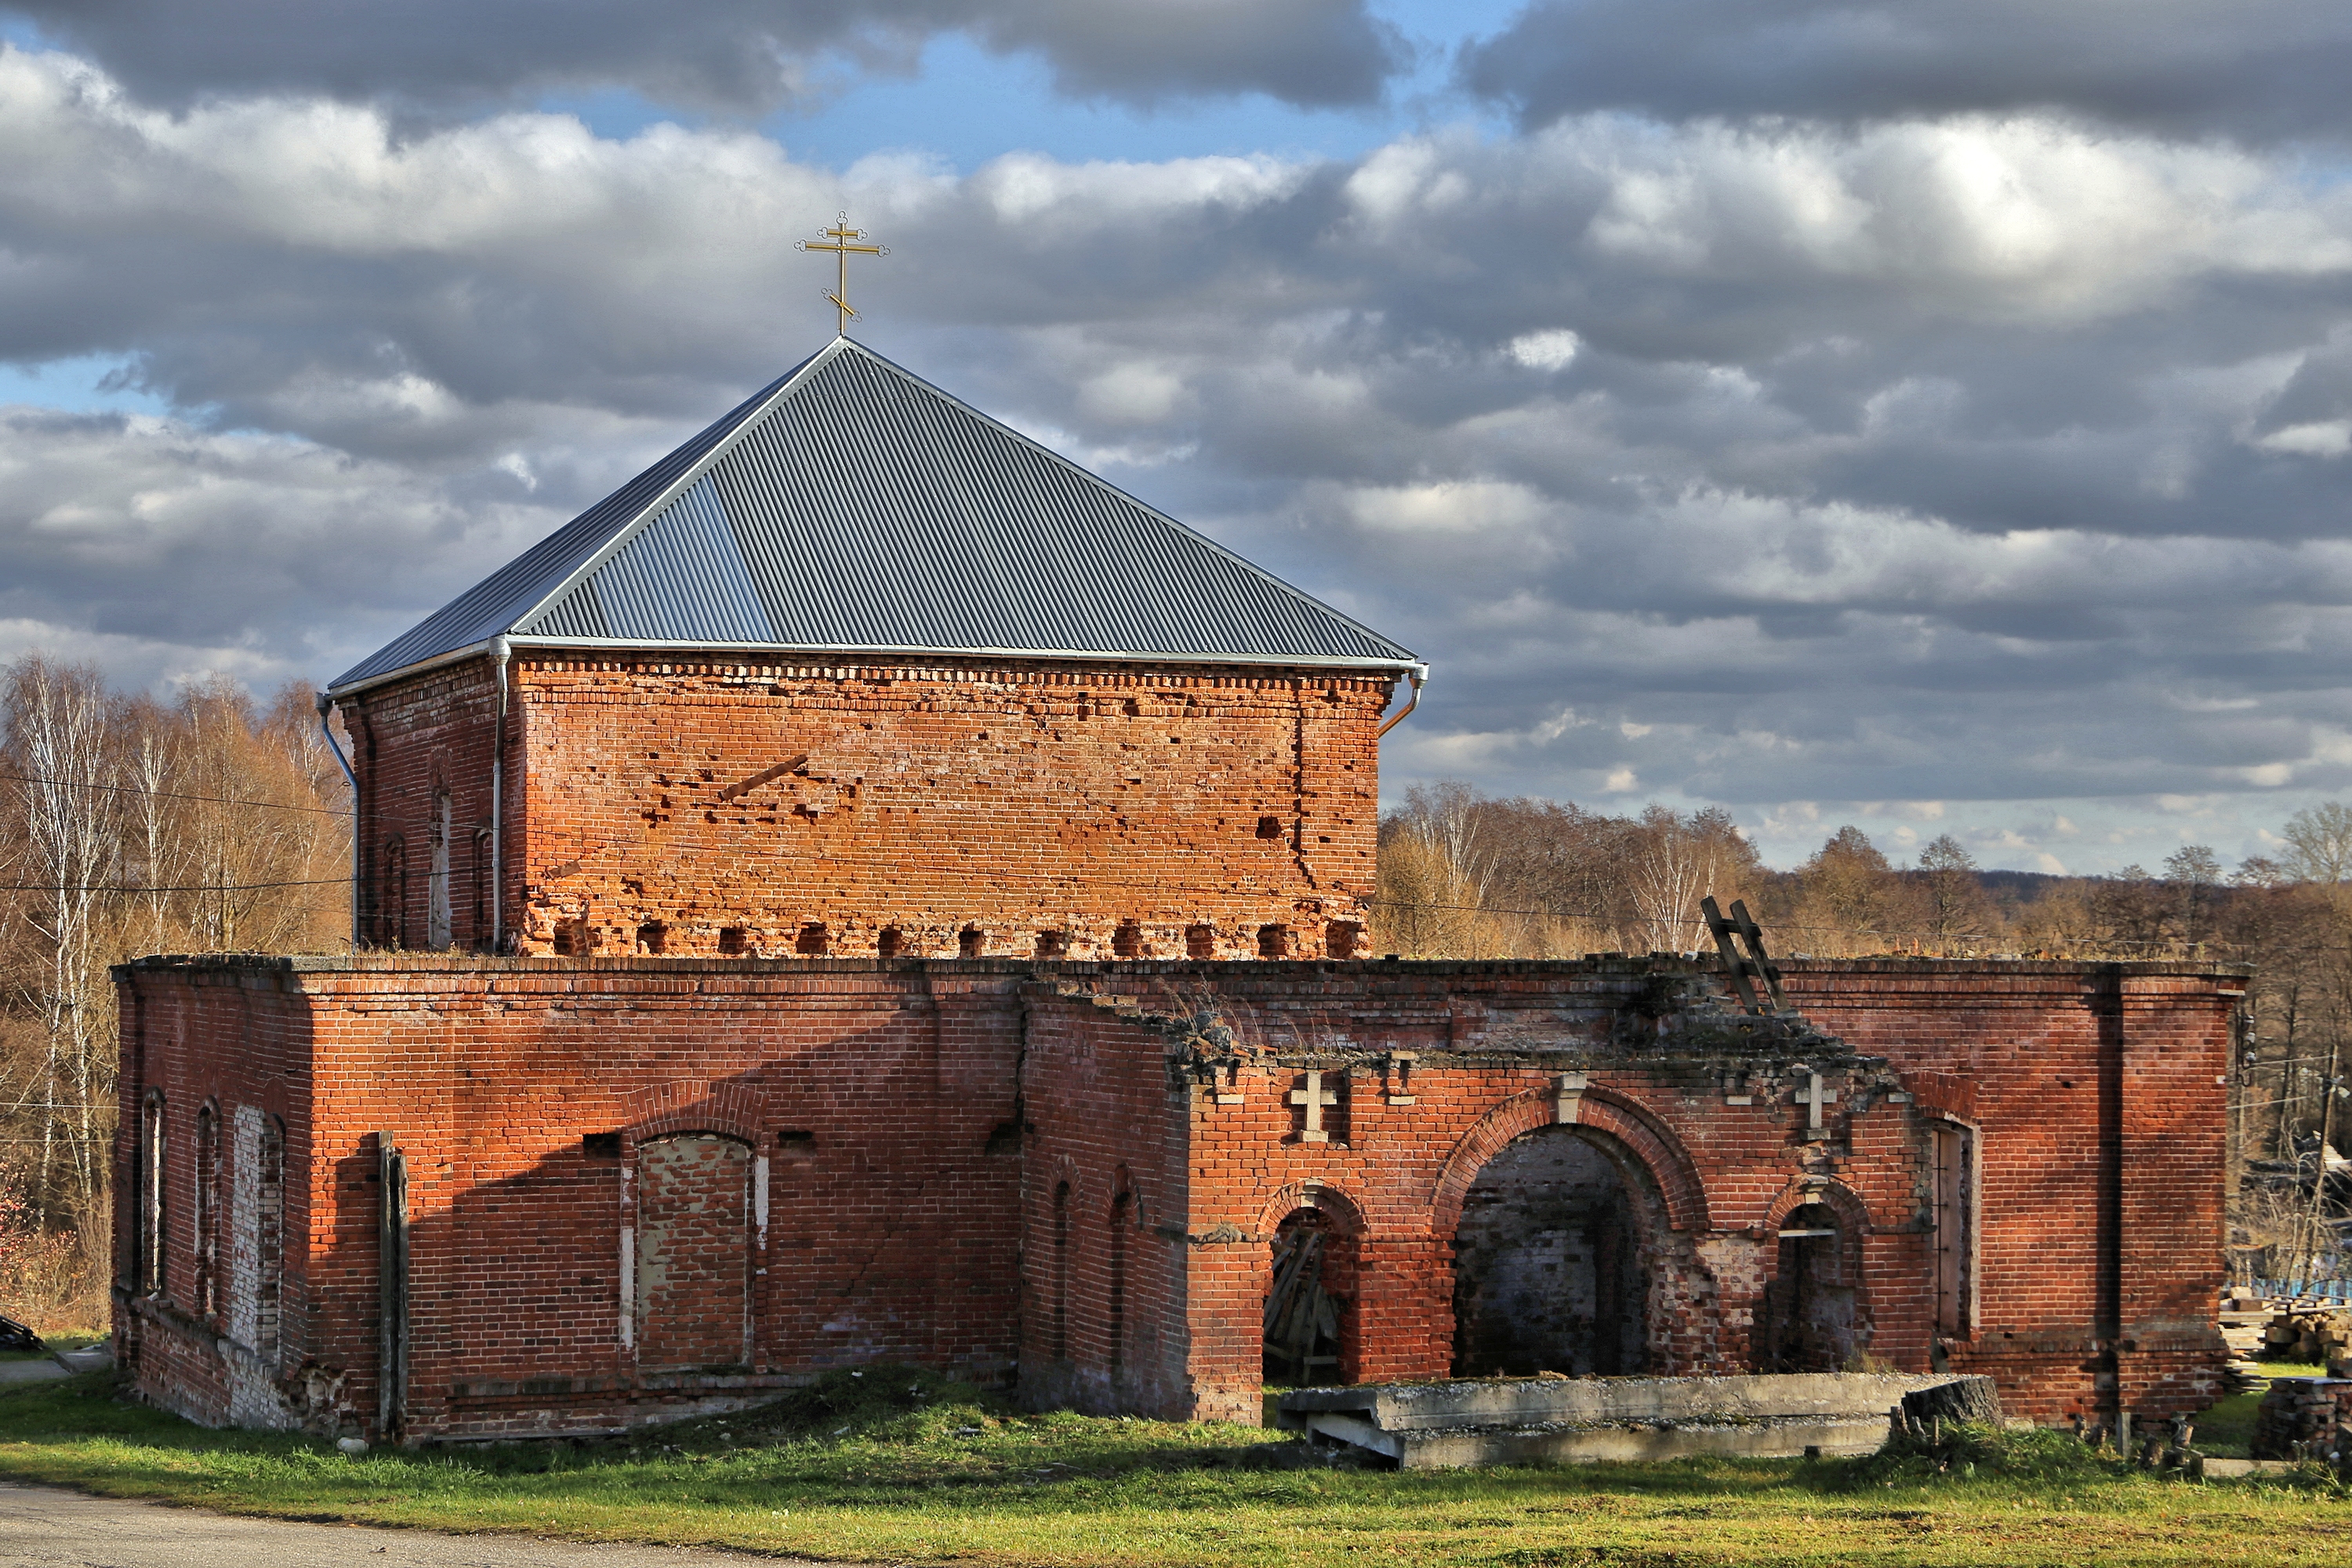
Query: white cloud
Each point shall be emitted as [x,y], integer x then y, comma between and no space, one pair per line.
[2321,438]
[1963,461]
[1552,350]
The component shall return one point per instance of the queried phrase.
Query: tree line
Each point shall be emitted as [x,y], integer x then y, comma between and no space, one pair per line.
[130,825]
[1463,874]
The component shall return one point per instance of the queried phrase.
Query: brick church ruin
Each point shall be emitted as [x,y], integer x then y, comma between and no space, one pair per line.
[869,891]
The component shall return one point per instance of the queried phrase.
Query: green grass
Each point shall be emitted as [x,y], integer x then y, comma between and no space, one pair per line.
[900,1466]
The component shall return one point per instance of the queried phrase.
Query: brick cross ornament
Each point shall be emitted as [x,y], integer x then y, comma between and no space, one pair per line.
[1314,1097]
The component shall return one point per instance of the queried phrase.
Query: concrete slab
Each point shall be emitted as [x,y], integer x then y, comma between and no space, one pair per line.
[29,1369]
[1468,1422]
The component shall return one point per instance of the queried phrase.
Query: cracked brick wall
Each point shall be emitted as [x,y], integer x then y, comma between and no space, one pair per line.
[972,808]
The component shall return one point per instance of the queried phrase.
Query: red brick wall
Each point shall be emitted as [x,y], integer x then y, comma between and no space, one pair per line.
[1064,802]
[882,1104]
[916,1121]
[1992,1044]
[2098,1093]
[224,1036]
[411,741]
[1103,1118]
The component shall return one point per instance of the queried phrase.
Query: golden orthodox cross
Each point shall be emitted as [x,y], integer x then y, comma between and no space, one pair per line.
[841,239]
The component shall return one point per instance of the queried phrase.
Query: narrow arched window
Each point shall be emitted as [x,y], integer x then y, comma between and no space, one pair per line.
[269,1239]
[208,1196]
[1955,1200]
[392,917]
[437,921]
[152,1252]
[1062,1272]
[1122,1217]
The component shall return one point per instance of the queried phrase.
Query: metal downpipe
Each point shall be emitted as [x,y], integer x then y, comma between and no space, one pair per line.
[500,651]
[1406,711]
[326,705]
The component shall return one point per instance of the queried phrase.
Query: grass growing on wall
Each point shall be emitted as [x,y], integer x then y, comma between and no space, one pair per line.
[902,1467]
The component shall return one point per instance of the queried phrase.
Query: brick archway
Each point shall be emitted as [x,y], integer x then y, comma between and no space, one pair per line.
[1669,1165]
[1845,1200]
[687,1106]
[1344,1210]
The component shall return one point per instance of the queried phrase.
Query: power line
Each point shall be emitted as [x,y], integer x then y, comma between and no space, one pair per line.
[196,887]
[169,794]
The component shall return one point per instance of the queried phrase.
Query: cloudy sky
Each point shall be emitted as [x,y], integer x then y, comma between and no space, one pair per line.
[1931,415]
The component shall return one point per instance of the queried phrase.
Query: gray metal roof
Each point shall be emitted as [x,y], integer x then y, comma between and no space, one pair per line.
[853,507]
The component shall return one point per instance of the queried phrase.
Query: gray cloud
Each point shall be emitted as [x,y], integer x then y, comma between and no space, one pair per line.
[730,56]
[1967,467]
[2257,69]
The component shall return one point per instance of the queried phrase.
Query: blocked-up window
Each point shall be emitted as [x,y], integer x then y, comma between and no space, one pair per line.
[251,1219]
[1955,1215]
[152,1252]
[269,1237]
[693,1285]
[437,921]
[208,1214]
[392,915]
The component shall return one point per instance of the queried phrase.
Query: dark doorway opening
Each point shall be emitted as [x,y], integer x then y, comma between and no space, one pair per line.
[1310,1301]
[1808,1320]
[1548,1274]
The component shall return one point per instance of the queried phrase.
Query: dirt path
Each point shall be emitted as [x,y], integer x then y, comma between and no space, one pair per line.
[43,1526]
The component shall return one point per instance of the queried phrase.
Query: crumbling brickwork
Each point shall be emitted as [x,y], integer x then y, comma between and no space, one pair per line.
[641,1187]
[660,805]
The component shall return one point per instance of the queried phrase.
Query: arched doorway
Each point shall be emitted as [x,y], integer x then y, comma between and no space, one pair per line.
[1808,1321]
[1311,1302]
[1550,1270]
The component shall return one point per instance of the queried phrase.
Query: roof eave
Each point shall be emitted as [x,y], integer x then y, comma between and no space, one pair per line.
[1416,668]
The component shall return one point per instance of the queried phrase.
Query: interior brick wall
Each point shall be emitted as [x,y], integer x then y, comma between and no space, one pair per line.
[700,808]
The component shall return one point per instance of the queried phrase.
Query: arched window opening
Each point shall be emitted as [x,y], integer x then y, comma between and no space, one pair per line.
[693,1285]
[1342,938]
[392,917]
[1062,1272]
[890,943]
[1955,1200]
[1310,1303]
[1123,1220]
[1549,1266]
[269,1238]
[1273,942]
[153,1149]
[1807,1323]
[208,1163]
[814,941]
[970,943]
[437,910]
